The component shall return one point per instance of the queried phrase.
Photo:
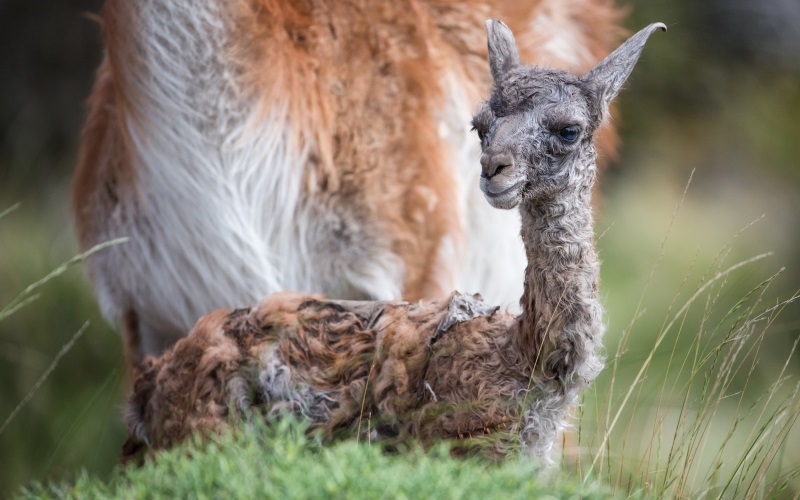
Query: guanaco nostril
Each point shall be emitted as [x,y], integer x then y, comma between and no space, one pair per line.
[500,168]
[493,166]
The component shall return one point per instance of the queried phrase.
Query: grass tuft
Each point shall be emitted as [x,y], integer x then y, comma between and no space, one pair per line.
[282,461]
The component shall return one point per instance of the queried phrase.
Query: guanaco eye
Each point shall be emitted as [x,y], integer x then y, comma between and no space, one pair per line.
[570,134]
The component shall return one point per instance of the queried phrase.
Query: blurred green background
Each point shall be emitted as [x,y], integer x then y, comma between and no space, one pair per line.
[718,94]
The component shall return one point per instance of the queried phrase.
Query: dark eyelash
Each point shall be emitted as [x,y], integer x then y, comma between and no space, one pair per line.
[474,128]
[474,122]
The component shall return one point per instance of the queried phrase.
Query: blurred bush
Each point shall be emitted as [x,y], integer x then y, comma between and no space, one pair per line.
[50,52]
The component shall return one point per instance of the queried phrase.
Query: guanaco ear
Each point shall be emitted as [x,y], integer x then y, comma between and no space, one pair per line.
[503,54]
[606,79]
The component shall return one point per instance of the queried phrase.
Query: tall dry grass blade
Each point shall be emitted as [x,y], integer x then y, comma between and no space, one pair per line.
[734,341]
[738,335]
[113,376]
[776,445]
[655,435]
[776,311]
[638,378]
[366,388]
[755,435]
[14,305]
[11,309]
[676,445]
[755,449]
[64,350]
[669,363]
[720,275]
[697,366]
[5,213]
[626,333]
[716,463]
[739,332]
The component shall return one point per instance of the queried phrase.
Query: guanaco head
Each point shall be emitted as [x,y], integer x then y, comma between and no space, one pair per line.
[537,128]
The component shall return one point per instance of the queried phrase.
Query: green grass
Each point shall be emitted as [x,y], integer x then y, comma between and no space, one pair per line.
[282,462]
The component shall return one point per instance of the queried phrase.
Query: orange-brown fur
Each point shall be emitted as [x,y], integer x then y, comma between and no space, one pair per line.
[364,120]
[361,80]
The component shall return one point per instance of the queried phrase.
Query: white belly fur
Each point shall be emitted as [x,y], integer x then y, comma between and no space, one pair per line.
[221,219]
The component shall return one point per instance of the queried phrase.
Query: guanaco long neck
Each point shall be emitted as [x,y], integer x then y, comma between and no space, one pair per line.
[560,328]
